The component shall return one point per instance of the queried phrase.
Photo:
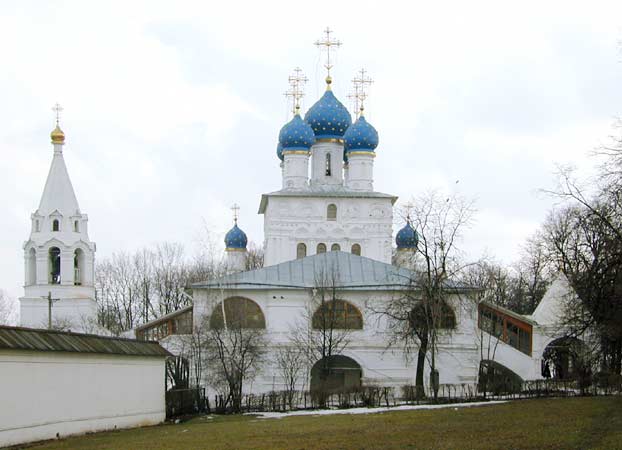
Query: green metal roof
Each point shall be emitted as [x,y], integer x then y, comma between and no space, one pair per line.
[351,272]
[18,338]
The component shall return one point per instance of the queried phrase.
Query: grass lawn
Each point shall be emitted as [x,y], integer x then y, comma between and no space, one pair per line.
[575,423]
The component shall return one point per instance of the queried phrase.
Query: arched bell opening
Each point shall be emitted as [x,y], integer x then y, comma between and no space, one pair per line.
[78,266]
[54,265]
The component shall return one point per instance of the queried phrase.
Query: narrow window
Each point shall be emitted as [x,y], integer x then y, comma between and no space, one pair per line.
[76,226]
[321,248]
[356,249]
[301,250]
[335,248]
[328,171]
[37,226]
[331,212]
[55,225]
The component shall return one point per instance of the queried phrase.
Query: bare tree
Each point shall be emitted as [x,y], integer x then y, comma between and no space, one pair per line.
[323,330]
[235,356]
[422,312]
[291,361]
[7,309]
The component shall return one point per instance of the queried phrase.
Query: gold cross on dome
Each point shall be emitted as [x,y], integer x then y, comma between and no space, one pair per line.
[296,84]
[353,96]
[57,110]
[361,85]
[409,206]
[236,209]
[327,43]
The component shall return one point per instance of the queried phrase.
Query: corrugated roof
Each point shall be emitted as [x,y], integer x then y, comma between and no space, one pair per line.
[351,272]
[164,317]
[18,338]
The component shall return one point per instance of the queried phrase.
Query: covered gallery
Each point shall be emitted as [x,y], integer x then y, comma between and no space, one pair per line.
[53,384]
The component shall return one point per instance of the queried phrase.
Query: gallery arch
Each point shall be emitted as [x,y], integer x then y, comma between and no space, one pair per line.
[239,312]
[562,359]
[336,373]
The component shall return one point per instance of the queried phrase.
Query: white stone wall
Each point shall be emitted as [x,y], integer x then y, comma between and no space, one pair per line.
[45,393]
[292,220]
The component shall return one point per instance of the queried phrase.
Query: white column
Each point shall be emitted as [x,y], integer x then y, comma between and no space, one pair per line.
[361,171]
[296,170]
[236,260]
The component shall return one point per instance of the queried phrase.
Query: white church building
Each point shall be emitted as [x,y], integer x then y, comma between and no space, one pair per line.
[326,222]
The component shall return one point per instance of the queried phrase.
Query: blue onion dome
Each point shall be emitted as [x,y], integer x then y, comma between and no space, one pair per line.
[407,237]
[279,151]
[296,135]
[328,117]
[360,137]
[236,238]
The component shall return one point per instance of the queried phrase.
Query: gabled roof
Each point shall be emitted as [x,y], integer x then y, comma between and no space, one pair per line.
[322,191]
[19,338]
[554,302]
[58,194]
[350,271]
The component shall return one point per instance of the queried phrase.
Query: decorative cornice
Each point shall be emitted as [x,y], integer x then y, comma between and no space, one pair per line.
[333,140]
[295,152]
[361,153]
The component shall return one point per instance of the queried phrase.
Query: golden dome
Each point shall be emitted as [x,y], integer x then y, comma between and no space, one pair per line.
[57,135]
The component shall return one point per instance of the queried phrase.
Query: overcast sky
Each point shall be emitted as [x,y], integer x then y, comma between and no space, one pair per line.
[172,109]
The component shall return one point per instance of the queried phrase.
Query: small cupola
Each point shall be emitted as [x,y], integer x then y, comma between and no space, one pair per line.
[407,238]
[235,239]
[296,135]
[361,136]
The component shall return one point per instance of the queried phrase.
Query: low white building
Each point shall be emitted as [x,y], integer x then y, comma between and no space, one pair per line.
[55,384]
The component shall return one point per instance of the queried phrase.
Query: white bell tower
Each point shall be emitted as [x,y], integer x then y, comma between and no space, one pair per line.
[58,255]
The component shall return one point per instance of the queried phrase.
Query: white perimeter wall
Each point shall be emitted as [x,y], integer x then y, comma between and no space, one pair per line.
[44,393]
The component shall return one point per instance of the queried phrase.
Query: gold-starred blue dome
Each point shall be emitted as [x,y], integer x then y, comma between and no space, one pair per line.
[296,135]
[328,117]
[360,137]
[407,237]
[236,238]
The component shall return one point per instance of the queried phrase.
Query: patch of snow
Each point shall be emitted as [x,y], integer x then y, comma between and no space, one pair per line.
[324,412]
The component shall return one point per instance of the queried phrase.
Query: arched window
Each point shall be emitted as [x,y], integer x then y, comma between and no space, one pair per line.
[239,312]
[335,248]
[356,249]
[301,250]
[335,374]
[331,212]
[337,314]
[55,225]
[424,316]
[78,266]
[54,265]
[76,226]
[321,248]
[328,171]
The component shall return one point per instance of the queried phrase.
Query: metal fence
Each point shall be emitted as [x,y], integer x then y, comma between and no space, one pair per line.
[377,396]
[182,402]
